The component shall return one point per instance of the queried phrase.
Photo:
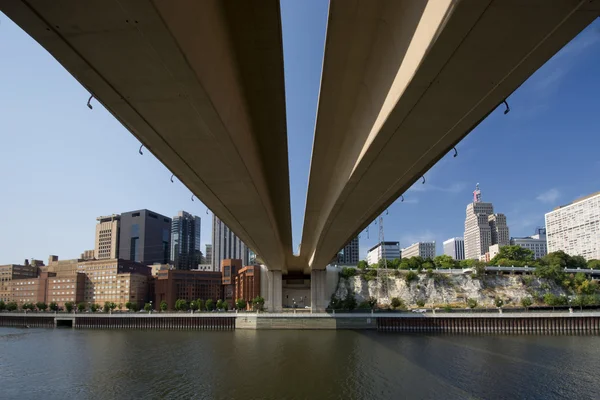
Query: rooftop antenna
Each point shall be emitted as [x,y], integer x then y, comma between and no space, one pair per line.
[477,194]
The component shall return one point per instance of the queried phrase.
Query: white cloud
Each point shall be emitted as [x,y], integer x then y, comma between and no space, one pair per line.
[549,196]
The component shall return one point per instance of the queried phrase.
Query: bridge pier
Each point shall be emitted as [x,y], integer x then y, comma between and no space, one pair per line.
[274,291]
[317,290]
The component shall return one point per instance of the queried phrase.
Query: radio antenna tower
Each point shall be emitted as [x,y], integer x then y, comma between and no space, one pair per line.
[382,272]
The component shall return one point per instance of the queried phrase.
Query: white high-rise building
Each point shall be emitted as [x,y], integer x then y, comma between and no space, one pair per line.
[575,228]
[225,244]
[535,243]
[390,250]
[455,248]
[420,249]
[106,245]
[483,228]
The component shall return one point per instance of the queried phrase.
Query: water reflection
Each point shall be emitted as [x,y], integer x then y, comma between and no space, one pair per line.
[58,364]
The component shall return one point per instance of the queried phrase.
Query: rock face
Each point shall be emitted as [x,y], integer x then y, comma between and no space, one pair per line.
[452,289]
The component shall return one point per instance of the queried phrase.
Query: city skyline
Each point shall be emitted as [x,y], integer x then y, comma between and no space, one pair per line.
[560,91]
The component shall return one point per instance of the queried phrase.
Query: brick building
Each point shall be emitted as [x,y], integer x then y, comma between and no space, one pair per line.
[247,283]
[10,272]
[171,285]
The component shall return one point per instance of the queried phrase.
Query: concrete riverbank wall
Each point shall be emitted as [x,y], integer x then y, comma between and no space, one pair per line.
[463,323]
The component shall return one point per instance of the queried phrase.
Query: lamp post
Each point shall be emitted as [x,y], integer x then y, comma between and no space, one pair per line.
[151,307]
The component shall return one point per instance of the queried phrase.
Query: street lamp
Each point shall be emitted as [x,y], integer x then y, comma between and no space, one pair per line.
[151,307]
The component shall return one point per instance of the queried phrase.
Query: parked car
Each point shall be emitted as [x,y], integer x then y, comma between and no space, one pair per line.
[419,310]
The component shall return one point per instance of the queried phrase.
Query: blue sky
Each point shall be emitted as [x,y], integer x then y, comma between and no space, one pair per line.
[62,165]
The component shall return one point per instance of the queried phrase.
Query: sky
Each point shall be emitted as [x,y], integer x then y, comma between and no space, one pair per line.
[62,165]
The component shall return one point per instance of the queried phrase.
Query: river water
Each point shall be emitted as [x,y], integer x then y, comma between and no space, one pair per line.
[83,364]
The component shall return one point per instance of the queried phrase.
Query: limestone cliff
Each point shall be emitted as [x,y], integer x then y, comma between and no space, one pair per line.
[452,289]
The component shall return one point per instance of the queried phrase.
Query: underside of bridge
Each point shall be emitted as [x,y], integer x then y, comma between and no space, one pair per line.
[201,85]
[403,82]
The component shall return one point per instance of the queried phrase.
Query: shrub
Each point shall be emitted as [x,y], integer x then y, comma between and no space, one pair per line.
[396,302]
[364,305]
[81,307]
[447,308]
[421,303]
[527,279]
[372,302]
[163,306]
[472,303]
[240,304]
[429,273]
[349,301]
[526,302]
[498,302]
[147,307]
[411,276]
[69,306]
[347,272]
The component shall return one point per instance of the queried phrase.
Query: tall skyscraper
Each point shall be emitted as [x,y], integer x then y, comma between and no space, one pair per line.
[185,241]
[208,254]
[145,237]
[349,254]
[227,245]
[575,228]
[499,229]
[479,224]
[107,237]
[455,248]
[419,249]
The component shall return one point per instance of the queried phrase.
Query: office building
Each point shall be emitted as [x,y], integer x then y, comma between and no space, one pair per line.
[575,228]
[11,272]
[107,237]
[420,249]
[536,243]
[145,237]
[389,250]
[455,248]
[185,241]
[483,228]
[171,285]
[499,229]
[246,284]
[349,254]
[226,245]
[208,254]
[88,255]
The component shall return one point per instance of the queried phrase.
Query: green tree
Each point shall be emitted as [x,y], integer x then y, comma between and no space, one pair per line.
[2,305]
[347,272]
[350,301]
[112,306]
[163,306]
[515,255]
[209,304]
[259,303]
[404,264]
[147,307]
[580,300]
[471,303]
[415,262]
[106,307]
[478,269]
[240,304]
[53,306]
[421,303]
[81,307]
[577,262]
[11,306]
[200,304]
[593,264]
[372,302]
[219,304]
[396,303]
[444,261]
[193,305]
[94,307]
[181,305]
[129,306]
[41,306]
[362,265]
[335,303]
[498,302]
[466,263]
[69,306]
[526,302]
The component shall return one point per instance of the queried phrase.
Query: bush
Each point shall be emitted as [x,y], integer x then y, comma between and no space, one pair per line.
[94,307]
[471,303]
[421,303]
[181,305]
[335,303]
[81,307]
[372,302]
[11,306]
[69,306]
[348,272]
[41,306]
[447,308]
[526,302]
[349,301]
[364,305]
[240,304]
[258,303]
[370,275]
[147,307]
[527,279]
[163,306]
[396,302]
[2,305]
[498,302]
[411,276]
[429,273]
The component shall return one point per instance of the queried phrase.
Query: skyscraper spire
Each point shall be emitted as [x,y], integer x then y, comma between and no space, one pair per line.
[477,194]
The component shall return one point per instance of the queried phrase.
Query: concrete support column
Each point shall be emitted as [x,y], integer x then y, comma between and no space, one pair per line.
[275,285]
[318,302]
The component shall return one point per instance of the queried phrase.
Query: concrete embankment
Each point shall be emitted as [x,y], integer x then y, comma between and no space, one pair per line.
[464,323]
